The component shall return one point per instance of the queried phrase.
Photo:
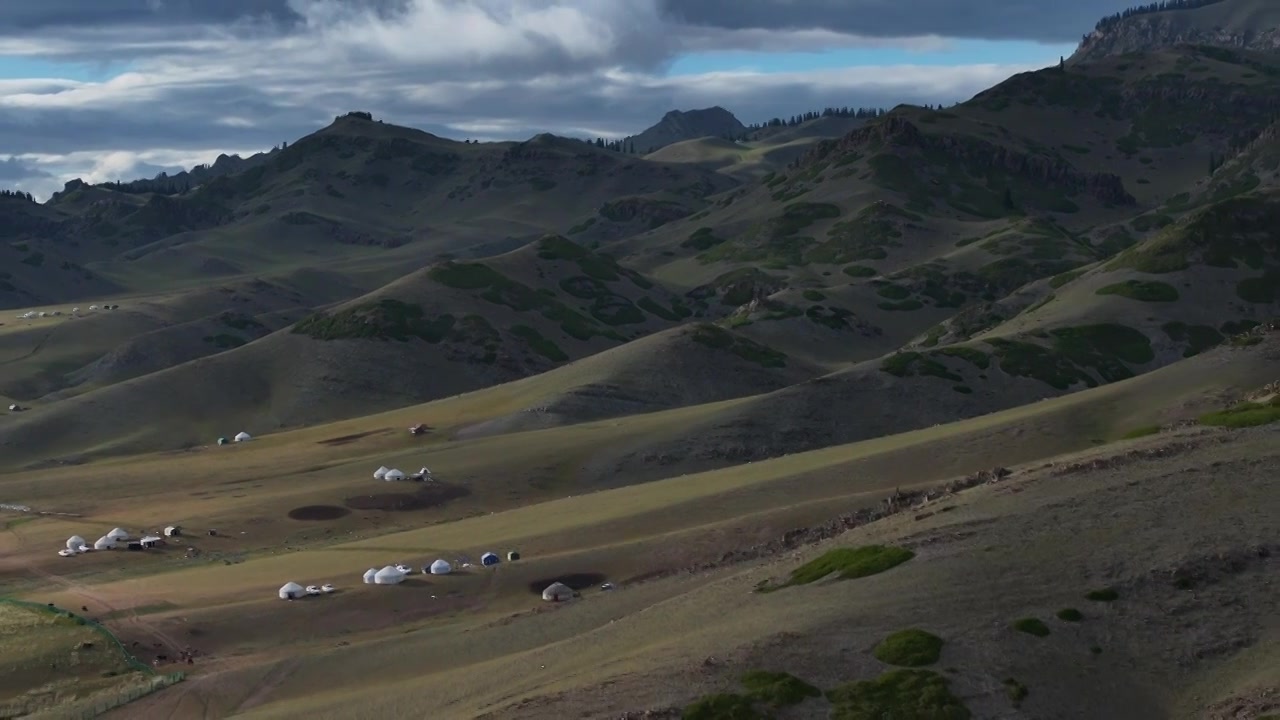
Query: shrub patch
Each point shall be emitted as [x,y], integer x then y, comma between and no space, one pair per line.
[909,648]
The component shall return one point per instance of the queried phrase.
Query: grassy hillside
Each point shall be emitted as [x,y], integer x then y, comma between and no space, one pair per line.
[472,324]
[43,359]
[1189,287]
[34,271]
[769,149]
[695,364]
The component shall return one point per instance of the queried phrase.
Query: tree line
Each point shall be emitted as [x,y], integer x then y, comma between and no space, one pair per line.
[1155,7]
[17,194]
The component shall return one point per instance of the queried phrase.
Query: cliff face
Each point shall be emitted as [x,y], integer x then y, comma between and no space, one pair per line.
[1237,24]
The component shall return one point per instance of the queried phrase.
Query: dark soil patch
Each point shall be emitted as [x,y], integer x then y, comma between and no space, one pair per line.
[577,581]
[344,439]
[318,512]
[429,495]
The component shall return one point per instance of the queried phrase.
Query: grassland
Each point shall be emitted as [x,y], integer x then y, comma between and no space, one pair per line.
[481,621]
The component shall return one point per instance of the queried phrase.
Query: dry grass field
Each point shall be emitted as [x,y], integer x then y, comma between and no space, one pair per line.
[678,551]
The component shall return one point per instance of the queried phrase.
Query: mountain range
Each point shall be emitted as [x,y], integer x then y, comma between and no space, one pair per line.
[1071,226]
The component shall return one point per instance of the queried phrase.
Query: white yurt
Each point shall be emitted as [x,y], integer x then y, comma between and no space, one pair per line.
[489,559]
[441,567]
[118,534]
[393,474]
[291,590]
[388,575]
[243,436]
[104,543]
[557,592]
[380,472]
[74,542]
[369,575]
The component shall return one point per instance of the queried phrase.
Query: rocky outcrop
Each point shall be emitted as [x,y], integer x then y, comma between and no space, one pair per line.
[1237,24]
[978,156]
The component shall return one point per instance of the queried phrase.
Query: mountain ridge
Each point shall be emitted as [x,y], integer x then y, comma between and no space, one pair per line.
[1234,24]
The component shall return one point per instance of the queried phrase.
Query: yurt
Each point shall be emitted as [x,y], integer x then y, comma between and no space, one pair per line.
[513,556]
[222,441]
[489,559]
[380,473]
[369,575]
[557,592]
[243,436]
[105,542]
[172,531]
[441,567]
[118,534]
[291,590]
[74,542]
[393,474]
[388,575]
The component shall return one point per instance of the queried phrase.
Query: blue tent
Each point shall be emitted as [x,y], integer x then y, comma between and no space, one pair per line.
[489,559]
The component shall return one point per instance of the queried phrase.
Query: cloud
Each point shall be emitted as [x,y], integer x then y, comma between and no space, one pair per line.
[13,170]
[211,76]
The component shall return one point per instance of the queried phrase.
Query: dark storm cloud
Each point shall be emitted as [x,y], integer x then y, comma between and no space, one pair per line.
[1044,20]
[1041,20]
[28,15]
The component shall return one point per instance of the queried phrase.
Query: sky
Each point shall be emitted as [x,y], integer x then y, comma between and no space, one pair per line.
[119,89]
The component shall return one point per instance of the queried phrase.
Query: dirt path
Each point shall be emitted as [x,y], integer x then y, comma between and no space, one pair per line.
[131,619]
[270,681]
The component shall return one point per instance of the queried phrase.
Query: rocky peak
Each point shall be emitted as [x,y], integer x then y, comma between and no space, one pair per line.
[679,125]
[1237,24]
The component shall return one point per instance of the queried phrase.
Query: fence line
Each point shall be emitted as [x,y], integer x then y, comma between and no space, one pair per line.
[129,657]
[92,707]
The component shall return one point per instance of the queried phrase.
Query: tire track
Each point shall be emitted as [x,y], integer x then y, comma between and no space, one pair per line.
[38,347]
